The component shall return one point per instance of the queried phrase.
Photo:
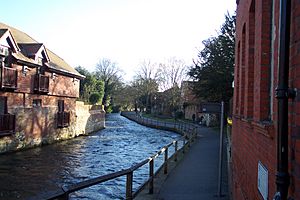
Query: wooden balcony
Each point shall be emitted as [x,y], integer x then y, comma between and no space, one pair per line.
[63,119]
[7,124]
[9,78]
[41,83]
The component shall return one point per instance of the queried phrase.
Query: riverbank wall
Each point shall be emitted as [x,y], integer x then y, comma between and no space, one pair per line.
[179,127]
[37,126]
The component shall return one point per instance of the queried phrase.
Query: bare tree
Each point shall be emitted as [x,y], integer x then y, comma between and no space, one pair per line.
[146,80]
[110,74]
[172,73]
[147,70]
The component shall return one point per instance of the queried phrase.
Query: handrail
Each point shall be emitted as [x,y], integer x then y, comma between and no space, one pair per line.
[65,191]
[177,126]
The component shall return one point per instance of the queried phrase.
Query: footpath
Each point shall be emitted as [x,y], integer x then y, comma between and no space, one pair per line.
[195,177]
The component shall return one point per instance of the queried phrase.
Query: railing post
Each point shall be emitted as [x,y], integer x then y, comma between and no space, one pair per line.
[166,161]
[129,179]
[176,149]
[151,175]
[183,148]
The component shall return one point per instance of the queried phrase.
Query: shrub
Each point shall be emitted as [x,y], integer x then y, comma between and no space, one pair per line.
[95,98]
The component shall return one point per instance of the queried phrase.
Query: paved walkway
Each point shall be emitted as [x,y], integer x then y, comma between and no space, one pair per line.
[196,176]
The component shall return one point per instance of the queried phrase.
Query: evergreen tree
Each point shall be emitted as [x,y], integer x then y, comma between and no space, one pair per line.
[213,71]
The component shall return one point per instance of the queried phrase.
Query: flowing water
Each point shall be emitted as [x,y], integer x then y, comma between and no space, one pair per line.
[37,172]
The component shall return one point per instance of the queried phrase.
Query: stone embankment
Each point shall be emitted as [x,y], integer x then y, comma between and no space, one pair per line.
[38,126]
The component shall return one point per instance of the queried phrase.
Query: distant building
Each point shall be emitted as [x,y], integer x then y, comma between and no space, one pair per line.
[38,92]
[190,102]
[255,109]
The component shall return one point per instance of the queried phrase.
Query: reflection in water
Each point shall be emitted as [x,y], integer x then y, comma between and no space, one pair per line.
[43,170]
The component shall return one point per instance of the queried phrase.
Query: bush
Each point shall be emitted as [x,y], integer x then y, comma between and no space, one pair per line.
[108,109]
[95,98]
[179,115]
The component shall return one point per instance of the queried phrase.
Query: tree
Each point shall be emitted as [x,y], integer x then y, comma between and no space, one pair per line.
[172,73]
[89,85]
[95,98]
[108,72]
[213,71]
[146,83]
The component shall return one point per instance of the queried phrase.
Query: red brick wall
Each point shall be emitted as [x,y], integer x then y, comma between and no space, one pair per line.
[254,128]
[59,86]
[63,86]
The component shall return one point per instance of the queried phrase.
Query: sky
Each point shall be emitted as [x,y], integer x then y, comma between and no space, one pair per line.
[125,31]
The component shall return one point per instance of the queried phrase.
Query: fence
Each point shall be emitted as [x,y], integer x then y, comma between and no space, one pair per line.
[63,194]
[180,127]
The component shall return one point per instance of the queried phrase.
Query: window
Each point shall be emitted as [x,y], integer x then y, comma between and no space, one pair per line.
[63,118]
[37,103]
[61,105]
[242,73]
[8,59]
[237,80]
[7,121]
[250,63]
[3,105]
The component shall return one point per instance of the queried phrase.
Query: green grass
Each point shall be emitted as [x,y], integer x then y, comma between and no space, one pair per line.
[158,118]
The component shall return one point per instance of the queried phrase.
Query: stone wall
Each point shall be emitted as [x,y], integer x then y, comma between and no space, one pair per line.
[38,126]
[89,118]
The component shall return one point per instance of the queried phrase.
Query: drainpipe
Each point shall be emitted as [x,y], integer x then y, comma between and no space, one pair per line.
[283,93]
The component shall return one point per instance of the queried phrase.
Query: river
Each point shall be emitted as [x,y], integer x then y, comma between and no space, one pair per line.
[43,170]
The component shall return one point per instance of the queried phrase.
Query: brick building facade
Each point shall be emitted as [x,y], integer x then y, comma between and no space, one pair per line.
[255,109]
[191,103]
[38,92]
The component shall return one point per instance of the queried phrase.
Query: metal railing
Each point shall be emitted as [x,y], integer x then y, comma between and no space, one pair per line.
[9,77]
[180,127]
[187,139]
[41,83]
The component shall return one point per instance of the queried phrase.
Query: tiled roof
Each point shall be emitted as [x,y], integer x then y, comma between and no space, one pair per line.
[23,40]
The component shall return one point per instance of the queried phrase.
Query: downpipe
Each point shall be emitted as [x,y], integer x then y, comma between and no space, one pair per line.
[283,93]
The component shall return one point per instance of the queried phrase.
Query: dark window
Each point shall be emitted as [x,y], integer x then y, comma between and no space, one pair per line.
[63,118]
[37,103]
[7,121]
[61,105]
[3,105]
[8,59]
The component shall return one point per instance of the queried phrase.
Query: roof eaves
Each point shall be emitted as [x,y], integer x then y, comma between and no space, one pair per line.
[55,69]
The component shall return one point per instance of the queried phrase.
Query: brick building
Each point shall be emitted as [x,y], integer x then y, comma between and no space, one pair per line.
[191,103]
[255,109]
[38,92]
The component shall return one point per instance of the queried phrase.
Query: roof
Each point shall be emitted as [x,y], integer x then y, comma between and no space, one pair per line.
[2,32]
[30,48]
[32,45]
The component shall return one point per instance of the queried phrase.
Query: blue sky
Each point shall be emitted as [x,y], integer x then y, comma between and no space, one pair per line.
[125,31]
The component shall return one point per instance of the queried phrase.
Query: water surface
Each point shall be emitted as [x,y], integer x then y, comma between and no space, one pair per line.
[42,170]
